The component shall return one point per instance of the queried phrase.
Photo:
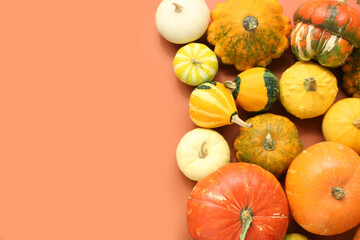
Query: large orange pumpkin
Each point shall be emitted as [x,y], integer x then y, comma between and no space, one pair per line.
[323,188]
[238,201]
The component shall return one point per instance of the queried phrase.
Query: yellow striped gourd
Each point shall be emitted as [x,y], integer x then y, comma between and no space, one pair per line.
[212,105]
[195,63]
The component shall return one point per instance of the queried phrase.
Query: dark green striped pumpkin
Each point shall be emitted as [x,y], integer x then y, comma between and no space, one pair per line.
[255,90]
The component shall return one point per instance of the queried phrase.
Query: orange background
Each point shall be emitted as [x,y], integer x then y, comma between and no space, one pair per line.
[91,115]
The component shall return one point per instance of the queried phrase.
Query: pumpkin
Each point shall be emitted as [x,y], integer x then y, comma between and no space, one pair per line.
[351,74]
[342,123]
[323,188]
[307,89]
[195,63]
[201,152]
[238,201]
[255,90]
[248,33]
[272,143]
[357,235]
[182,21]
[326,31]
[295,236]
[211,105]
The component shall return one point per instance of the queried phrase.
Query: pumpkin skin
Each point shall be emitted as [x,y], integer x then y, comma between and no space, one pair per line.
[307,89]
[248,33]
[323,188]
[341,123]
[351,74]
[272,143]
[220,204]
[337,22]
[211,105]
[195,64]
[255,90]
[201,152]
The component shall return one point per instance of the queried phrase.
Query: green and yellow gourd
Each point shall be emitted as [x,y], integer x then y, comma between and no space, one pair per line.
[211,105]
[255,90]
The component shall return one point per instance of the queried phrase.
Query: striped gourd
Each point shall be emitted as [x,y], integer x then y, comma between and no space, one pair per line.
[255,90]
[211,105]
[195,63]
[310,42]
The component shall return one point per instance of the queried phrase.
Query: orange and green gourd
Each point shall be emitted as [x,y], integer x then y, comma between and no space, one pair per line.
[255,90]
[248,33]
[211,105]
[351,74]
[272,143]
[326,31]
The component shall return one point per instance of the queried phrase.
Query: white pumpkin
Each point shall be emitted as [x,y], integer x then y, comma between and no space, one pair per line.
[200,152]
[182,21]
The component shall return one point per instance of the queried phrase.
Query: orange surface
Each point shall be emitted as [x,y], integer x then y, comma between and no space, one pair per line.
[91,114]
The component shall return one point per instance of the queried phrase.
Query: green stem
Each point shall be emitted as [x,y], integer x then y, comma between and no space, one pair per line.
[250,23]
[338,193]
[195,61]
[269,143]
[230,85]
[246,219]
[310,84]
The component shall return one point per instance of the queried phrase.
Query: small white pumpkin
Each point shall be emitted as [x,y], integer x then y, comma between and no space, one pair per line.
[200,152]
[182,21]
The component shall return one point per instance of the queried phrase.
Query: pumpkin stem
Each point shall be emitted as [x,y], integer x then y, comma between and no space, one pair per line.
[356,123]
[178,8]
[246,217]
[203,151]
[195,61]
[230,85]
[250,23]
[338,193]
[310,84]
[235,119]
[269,143]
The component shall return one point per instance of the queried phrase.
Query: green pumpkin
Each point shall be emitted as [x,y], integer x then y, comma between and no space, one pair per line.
[255,90]
[272,143]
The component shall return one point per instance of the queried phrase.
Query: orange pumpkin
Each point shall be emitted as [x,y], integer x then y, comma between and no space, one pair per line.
[238,201]
[323,188]
[357,235]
